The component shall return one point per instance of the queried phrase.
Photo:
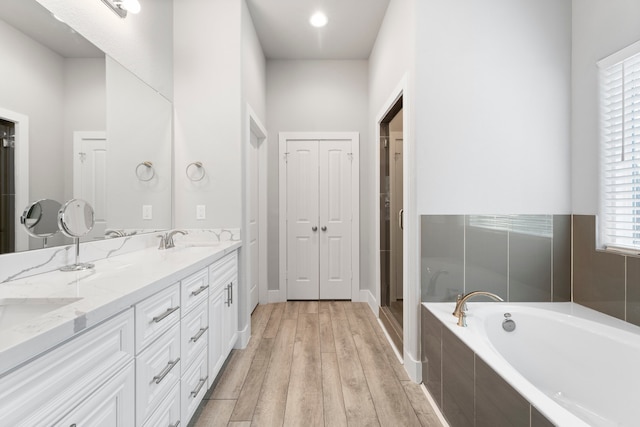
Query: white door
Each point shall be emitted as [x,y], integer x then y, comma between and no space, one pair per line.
[303,248]
[90,176]
[254,214]
[318,219]
[335,219]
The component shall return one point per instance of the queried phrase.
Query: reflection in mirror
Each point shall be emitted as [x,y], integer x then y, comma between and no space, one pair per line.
[76,219]
[40,219]
[57,91]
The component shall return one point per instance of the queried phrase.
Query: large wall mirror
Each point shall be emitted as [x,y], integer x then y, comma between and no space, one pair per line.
[74,123]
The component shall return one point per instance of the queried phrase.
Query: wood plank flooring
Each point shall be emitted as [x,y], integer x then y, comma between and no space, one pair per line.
[324,363]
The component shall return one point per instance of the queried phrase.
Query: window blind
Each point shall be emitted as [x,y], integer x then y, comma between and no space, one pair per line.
[620,153]
[534,225]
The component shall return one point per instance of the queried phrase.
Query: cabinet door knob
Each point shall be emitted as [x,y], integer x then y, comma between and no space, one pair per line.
[314,228]
[324,228]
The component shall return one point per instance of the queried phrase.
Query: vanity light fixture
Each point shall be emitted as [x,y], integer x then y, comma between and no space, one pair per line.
[318,20]
[121,7]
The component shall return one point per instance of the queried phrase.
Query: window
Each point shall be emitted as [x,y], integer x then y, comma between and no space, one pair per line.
[534,225]
[619,218]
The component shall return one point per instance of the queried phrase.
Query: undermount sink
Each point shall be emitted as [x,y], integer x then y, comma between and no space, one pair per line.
[14,311]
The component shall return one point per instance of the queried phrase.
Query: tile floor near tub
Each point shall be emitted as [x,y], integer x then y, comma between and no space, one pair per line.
[315,364]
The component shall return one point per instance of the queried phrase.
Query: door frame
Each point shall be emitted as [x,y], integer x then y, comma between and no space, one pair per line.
[355,209]
[410,267]
[254,124]
[21,172]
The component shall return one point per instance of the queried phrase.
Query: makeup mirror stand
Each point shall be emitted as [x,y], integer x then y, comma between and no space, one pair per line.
[76,219]
[77,266]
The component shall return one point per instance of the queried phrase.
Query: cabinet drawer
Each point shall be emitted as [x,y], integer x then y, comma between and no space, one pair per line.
[194,338]
[156,314]
[112,405]
[195,289]
[194,386]
[157,371]
[45,389]
[222,270]
[168,413]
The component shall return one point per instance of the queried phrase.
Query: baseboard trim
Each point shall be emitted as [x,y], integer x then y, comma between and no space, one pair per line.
[367,296]
[413,367]
[243,338]
[434,405]
[274,296]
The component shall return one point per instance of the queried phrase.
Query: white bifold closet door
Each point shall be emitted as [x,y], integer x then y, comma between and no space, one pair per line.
[319,206]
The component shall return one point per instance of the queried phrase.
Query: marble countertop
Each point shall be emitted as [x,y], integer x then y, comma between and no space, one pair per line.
[114,285]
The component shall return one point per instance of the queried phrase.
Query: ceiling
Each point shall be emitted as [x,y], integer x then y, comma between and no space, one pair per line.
[38,23]
[285,33]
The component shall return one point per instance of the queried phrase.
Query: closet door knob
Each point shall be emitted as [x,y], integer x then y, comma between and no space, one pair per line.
[324,228]
[314,228]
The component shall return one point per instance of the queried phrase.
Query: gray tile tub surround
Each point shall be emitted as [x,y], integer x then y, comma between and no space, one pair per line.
[467,390]
[442,257]
[463,253]
[602,279]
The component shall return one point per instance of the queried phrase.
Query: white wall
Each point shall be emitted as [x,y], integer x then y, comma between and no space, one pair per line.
[254,74]
[493,105]
[207,100]
[142,42]
[253,88]
[313,96]
[84,106]
[392,68]
[32,84]
[599,29]
[392,59]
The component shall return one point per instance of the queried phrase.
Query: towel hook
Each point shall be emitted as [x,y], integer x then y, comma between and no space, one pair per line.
[197,176]
[148,170]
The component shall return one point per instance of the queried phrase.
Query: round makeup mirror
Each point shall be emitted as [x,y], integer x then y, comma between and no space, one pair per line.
[76,219]
[40,218]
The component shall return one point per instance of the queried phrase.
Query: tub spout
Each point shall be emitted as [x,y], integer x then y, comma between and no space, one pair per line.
[461,304]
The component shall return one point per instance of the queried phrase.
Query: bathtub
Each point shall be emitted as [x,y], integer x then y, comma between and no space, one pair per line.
[578,367]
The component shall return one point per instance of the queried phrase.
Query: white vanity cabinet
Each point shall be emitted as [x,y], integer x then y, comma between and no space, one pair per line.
[86,381]
[148,366]
[223,310]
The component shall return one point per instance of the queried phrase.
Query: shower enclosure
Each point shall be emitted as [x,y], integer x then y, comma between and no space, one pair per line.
[7,187]
[391,223]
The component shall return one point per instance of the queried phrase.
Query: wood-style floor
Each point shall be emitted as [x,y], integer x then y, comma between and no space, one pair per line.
[309,364]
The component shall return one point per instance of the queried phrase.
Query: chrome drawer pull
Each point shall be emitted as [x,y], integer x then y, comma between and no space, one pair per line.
[201,383]
[166,314]
[165,371]
[199,334]
[199,290]
[176,424]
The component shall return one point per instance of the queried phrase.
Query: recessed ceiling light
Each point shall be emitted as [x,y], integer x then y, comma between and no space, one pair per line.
[318,20]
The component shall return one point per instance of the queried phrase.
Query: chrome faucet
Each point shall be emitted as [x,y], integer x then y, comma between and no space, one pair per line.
[169,239]
[461,304]
[166,241]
